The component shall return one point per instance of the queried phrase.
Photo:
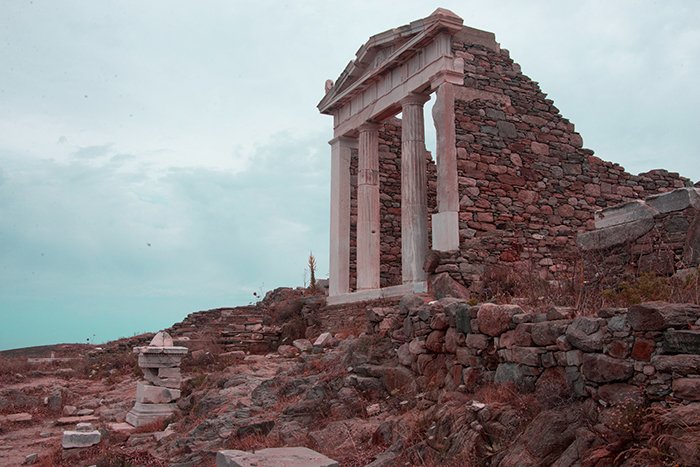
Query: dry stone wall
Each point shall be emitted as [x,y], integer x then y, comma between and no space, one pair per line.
[527,185]
[649,351]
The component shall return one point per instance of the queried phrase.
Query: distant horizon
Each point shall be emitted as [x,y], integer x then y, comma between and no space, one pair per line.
[150,169]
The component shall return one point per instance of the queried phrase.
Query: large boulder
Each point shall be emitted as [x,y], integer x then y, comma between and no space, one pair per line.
[443,285]
[544,439]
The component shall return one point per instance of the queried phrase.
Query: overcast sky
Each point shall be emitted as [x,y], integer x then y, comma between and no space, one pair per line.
[160,157]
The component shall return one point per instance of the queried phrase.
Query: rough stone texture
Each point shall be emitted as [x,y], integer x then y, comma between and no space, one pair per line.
[148,394]
[273,457]
[600,357]
[495,319]
[681,341]
[604,369]
[677,364]
[657,316]
[585,334]
[614,235]
[443,285]
[687,388]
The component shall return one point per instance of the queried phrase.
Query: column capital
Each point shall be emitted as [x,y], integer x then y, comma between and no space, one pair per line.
[415,99]
[344,141]
[369,126]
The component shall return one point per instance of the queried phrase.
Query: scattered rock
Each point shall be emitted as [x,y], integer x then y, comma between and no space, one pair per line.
[288,351]
[304,345]
[324,340]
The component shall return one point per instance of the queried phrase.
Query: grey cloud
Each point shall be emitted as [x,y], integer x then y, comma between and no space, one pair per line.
[89,152]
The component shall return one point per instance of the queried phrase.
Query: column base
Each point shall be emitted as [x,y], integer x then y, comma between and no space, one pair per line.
[376,294]
[143,414]
[446,231]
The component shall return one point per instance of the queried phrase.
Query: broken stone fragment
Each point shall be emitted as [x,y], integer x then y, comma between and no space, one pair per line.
[614,235]
[80,439]
[623,214]
[324,340]
[304,345]
[162,339]
[675,200]
[148,394]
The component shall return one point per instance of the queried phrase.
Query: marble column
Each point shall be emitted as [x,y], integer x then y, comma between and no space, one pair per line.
[339,272]
[368,208]
[414,196]
[446,222]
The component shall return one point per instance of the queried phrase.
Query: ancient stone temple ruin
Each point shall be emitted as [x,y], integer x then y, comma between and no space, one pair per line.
[511,185]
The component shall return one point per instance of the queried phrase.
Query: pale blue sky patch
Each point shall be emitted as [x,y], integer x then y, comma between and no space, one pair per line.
[166,156]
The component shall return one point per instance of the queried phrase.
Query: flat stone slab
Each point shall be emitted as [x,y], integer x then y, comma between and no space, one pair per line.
[76,420]
[80,439]
[623,214]
[16,417]
[614,235]
[121,427]
[159,360]
[375,294]
[675,200]
[274,457]
[161,350]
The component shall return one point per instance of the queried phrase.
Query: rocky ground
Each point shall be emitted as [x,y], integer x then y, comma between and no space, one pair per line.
[349,399]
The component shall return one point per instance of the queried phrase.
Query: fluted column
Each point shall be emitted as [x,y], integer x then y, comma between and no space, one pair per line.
[339,259]
[414,197]
[368,208]
[446,222]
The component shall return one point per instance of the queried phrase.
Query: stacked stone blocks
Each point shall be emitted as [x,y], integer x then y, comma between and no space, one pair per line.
[157,394]
[650,351]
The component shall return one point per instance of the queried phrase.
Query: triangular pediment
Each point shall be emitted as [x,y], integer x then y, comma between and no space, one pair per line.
[385,46]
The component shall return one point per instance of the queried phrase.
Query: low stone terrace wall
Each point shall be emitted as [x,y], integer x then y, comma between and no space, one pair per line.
[649,351]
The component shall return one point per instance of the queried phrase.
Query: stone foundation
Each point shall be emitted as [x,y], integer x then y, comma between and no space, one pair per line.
[649,351]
